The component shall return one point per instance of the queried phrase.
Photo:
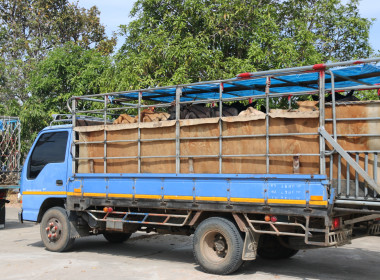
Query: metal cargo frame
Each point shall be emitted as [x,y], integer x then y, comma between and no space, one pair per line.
[261,85]
[10,151]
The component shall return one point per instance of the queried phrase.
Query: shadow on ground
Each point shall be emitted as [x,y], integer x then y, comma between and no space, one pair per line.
[15,225]
[328,263]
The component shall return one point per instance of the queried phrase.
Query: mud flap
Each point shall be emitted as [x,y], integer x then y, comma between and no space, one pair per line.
[77,230]
[250,245]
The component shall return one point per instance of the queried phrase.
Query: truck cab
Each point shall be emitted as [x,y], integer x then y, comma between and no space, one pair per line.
[45,172]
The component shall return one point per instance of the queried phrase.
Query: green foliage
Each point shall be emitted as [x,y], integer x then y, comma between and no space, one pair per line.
[29,29]
[33,87]
[181,41]
[66,71]
[51,49]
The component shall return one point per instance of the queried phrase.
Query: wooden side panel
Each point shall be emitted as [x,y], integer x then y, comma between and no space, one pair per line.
[122,149]
[206,147]
[190,149]
[158,148]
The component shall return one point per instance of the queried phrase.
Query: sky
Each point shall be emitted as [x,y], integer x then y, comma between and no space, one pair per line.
[116,12]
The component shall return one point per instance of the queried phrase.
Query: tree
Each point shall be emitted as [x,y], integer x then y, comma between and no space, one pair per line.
[66,71]
[181,41]
[29,29]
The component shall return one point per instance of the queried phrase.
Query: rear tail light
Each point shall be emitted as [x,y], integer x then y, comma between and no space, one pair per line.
[269,218]
[107,209]
[335,223]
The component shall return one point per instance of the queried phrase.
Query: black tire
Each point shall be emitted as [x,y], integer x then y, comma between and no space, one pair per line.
[56,221]
[218,246]
[2,214]
[270,248]
[116,237]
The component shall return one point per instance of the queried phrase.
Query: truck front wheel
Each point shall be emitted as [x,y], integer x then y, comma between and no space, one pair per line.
[218,246]
[55,230]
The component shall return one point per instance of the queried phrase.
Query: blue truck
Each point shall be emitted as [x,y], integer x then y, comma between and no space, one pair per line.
[236,183]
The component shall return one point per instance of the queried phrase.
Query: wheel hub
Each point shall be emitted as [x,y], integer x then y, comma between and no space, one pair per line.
[53,230]
[219,244]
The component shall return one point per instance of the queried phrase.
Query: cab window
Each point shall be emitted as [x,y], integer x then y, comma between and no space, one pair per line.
[50,148]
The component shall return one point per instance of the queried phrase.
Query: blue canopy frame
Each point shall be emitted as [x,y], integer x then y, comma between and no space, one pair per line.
[282,83]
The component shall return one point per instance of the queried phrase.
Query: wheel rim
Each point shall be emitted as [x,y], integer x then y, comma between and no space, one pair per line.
[53,230]
[214,246]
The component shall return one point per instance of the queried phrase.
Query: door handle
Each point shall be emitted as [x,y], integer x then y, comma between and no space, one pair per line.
[59,183]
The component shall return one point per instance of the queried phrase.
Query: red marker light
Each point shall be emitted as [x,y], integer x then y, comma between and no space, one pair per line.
[110,209]
[273,219]
[336,223]
[319,66]
[244,75]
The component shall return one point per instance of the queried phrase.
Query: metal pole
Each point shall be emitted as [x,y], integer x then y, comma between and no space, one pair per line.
[322,121]
[333,103]
[105,135]
[366,170]
[220,126]
[139,134]
[339,174]
[178,93]
[267,122]
[375,171]
[316,67]
[74,123]
[19,146]
[356,177]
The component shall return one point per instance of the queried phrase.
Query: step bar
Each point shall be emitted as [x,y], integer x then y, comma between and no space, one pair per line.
[115,219]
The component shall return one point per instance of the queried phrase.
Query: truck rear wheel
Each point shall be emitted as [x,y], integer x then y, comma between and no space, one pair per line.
[218,246]
[271,248]
[116,237]
[55,230]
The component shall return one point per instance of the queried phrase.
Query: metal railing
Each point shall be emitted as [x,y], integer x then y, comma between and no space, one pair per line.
[109,110]
[10,150]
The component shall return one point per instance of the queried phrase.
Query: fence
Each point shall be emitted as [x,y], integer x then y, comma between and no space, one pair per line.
[10,146]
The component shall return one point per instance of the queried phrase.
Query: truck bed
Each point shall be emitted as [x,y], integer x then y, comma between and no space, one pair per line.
[227,192]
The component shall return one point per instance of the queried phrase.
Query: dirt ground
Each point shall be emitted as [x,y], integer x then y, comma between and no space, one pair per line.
[12,197]
[23,256]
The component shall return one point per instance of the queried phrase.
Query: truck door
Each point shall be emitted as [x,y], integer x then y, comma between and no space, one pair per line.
[45,171]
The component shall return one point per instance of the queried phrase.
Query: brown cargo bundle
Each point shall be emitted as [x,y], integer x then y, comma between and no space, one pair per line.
[280,122]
